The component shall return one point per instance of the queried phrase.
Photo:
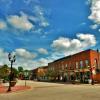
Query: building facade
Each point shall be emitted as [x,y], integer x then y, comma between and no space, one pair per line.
[40,73]
[81,66]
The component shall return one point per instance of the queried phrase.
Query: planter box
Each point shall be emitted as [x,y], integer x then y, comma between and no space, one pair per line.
[1,81]
[13,83]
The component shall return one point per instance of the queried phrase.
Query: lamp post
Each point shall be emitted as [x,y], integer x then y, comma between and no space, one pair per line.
[12,59]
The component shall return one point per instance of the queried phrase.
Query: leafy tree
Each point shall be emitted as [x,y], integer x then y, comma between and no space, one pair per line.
[4,71]
[20,69]
[15,71]
[27,73]
[51,74]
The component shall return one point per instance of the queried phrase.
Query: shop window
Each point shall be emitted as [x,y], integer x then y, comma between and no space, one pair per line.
[77,76]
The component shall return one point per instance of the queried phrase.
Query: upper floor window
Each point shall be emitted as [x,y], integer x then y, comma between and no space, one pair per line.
[95,63]
[76,65]
[66,66]
[87,63]
[53,68]
[49,68]
[62,67]
[81,64]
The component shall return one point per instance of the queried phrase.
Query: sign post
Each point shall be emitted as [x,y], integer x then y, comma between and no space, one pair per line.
[26,75]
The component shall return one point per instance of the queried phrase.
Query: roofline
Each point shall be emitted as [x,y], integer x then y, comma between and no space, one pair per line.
[73,55]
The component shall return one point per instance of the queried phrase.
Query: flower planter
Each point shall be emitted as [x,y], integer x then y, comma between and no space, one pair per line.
[13,83]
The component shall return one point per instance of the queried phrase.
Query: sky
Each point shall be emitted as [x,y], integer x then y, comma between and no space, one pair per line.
[41,31]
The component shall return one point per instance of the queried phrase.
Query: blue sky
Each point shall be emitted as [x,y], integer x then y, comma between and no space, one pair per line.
[40,31]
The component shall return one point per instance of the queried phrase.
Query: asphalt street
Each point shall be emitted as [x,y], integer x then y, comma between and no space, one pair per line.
[54,91]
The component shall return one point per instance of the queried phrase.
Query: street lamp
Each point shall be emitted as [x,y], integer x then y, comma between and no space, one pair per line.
[12,59]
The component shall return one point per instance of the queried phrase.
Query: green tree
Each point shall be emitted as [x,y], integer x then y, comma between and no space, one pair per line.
[20,69]
[15,71]
[4,71]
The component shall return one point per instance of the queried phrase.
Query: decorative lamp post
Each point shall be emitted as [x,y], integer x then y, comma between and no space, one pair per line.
[12,59]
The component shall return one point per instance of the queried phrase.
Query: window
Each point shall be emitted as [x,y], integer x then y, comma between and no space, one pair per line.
[81,64]
[86,63]
[62,67]
[76,65]
[95,63]
[66,66]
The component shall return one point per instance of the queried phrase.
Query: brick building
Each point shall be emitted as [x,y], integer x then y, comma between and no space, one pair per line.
[76,67]
[81,67]
[40,73]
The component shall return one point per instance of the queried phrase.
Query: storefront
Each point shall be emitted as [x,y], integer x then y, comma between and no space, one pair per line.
[82,75]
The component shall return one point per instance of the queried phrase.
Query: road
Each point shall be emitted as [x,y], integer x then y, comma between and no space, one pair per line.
[54,91]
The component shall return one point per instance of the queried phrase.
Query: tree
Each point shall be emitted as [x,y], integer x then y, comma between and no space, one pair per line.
[20,69]
[4,71]
[27,73]
[51,74]
[15,71]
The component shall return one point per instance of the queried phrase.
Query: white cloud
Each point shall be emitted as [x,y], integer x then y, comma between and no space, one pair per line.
[24,53]
[23,58]
[42,51]
[31,1]
[27,1]
[87,40]
[43,61]
[62,47]
[40,16]
[2,25]
[34,22]
[68,46]
[99,30]
[95,26]
[61,43]
[88,2]
[3,57]
[95,11]
[20,22]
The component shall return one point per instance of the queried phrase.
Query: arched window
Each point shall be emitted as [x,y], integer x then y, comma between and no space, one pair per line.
[81,64]
[76,65]
[86,63]
[95,63]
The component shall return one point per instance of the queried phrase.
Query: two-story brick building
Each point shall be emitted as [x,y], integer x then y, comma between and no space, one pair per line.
[77,66]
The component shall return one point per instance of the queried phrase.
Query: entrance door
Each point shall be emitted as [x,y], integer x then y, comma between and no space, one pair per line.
[81,77]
